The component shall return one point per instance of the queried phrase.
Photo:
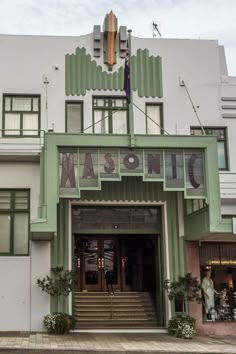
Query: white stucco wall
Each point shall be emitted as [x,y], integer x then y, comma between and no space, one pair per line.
[22,303]
[15,294]
[40,267]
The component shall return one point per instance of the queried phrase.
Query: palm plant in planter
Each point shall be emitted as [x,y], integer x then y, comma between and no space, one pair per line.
[186,288]
[58,284]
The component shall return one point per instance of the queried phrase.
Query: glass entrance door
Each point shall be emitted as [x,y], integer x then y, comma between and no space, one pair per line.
[97,262]
[91,265]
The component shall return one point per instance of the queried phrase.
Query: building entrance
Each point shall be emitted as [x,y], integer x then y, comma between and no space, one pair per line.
[97,258]
[114,263]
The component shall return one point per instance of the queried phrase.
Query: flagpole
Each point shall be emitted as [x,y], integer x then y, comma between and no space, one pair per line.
[131,113]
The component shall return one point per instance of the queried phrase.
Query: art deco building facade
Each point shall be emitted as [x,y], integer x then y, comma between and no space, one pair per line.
[142,189]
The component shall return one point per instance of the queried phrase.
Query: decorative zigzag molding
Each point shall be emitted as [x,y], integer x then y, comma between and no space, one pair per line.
[83,73]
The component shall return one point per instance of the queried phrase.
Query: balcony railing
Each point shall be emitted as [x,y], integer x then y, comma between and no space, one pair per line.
[22,142]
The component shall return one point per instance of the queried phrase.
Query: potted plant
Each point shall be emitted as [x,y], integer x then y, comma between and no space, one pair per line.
[186,288]
[58,284]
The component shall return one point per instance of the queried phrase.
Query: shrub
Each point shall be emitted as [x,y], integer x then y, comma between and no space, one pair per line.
[182,326]
[59,283]
[185,288]
[59,323]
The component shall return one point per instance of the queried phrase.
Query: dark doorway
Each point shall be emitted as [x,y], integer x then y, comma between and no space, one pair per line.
[129,259]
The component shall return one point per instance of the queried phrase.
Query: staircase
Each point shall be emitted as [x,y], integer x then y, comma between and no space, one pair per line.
[123,310]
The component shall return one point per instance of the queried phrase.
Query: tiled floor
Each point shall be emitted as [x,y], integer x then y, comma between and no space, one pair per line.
[113,343]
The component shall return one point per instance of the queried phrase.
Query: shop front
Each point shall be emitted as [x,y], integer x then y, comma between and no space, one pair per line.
[215,265]
[219,259]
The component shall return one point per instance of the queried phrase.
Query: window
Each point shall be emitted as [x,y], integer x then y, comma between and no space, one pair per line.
[21,115]
[154,118]
[221,135]
[14,221]
[74,116]
[110,115]
[219,261]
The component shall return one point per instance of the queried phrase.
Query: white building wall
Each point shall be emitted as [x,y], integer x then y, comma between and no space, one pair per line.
[22,303]
[15,293]
[40,267]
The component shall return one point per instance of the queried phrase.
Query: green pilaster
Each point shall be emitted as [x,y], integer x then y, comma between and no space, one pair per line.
[60,252]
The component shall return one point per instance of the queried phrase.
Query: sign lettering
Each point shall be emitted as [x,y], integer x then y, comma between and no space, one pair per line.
[180,169]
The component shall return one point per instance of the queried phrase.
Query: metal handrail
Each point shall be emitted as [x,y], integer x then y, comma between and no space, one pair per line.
[17,142]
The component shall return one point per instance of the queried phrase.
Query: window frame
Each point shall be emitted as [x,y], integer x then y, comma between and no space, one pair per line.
[12,211]
[21,130]
[77,102]
[224,140]
[160,104]
[109,108]
[196,206]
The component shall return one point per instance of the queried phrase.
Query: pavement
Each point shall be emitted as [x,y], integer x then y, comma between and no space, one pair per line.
[114,343]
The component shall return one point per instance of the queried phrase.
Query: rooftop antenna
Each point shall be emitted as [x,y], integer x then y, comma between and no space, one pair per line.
[155,30]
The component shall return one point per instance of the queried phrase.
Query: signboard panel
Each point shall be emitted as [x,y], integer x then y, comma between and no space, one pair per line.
[179,169]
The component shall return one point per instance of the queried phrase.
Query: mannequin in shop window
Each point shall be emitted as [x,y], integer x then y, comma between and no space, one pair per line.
[209,293]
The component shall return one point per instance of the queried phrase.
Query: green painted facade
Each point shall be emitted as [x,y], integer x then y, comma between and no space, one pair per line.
[53,212]
[47,222]
[82,74]
[130,188]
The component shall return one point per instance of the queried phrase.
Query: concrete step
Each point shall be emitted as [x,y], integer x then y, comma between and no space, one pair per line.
[128,309]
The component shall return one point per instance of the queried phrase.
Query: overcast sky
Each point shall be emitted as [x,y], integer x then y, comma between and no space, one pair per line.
[204,19]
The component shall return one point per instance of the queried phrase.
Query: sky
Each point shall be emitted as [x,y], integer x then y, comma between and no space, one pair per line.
[193,19]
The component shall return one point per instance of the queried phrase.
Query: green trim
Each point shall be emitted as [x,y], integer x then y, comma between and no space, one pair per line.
[133,189]
[81,103]
[82,73]
[21,129]
[53,141]
[11,212]
[60,252]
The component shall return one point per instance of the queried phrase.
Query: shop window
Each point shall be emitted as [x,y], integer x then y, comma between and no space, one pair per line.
[14,221]
[110,115]
[192,205]
[218,273]
[21,116]
[74,116]
[154,119]
[221,134]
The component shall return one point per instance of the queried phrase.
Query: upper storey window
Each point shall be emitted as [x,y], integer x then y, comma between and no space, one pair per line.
[21,115]
[221,134]
[154,118]
[74,116]
[110,115]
